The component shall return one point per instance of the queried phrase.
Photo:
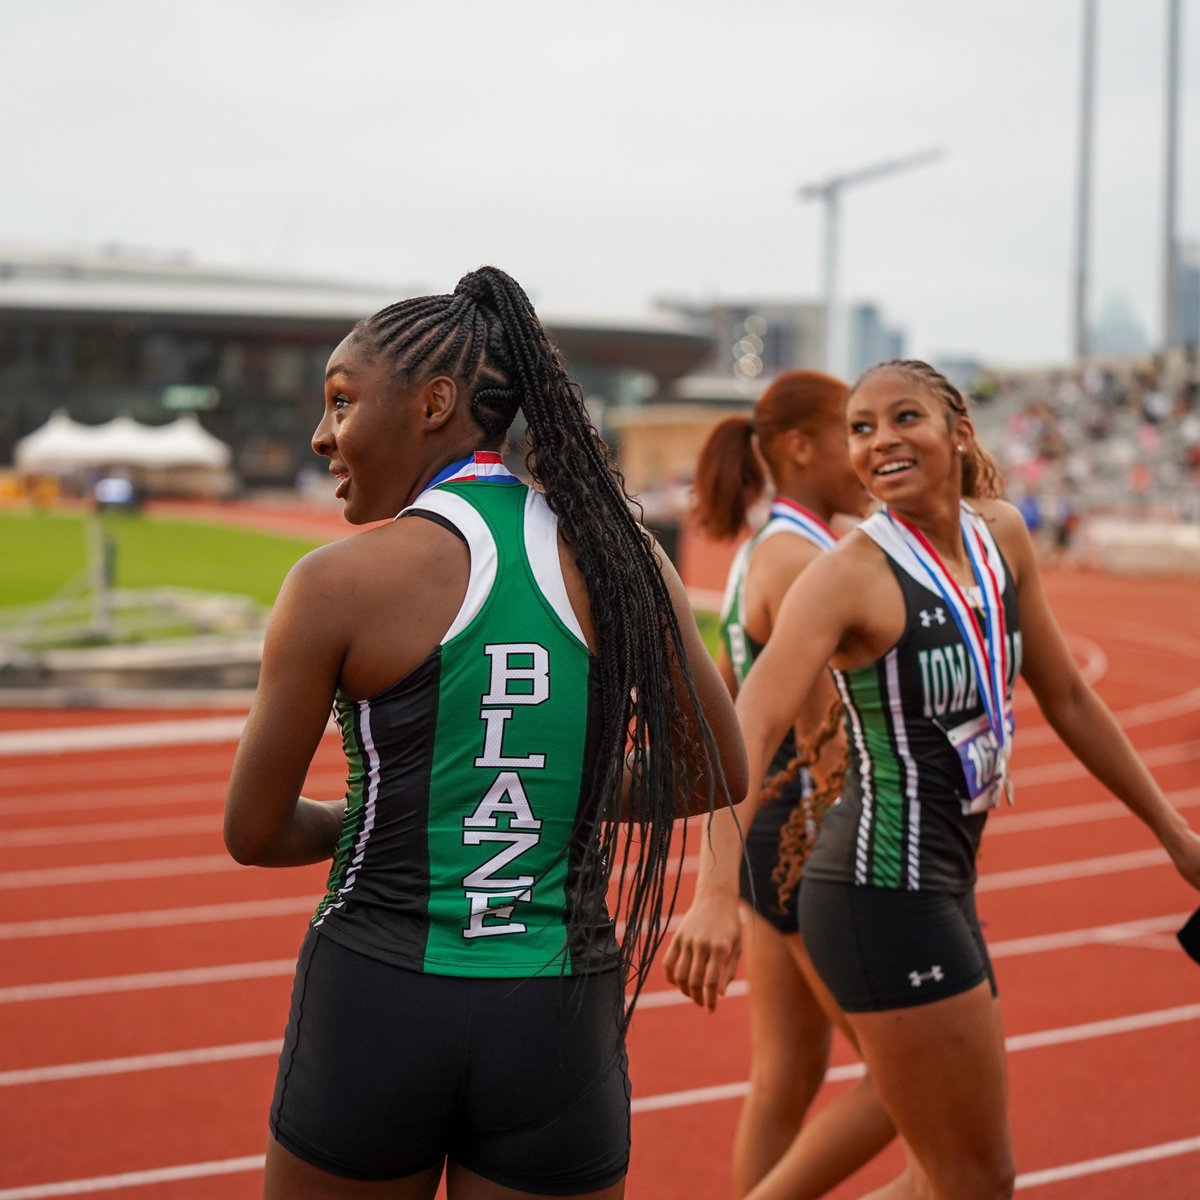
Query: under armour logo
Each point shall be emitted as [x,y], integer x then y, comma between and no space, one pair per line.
[935,974]
[928,618]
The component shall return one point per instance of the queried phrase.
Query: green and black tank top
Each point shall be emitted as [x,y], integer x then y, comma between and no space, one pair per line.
[461,848]
[785,517]
[901,821]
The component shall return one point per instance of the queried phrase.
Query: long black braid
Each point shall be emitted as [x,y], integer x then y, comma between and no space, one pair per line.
[487,336]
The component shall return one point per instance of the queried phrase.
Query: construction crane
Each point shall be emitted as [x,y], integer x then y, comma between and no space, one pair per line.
[830,191]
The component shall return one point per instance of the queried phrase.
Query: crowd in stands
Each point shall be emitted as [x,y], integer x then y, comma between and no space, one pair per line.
[1097,442]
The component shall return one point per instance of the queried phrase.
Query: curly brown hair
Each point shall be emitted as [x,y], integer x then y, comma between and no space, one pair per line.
[800,830]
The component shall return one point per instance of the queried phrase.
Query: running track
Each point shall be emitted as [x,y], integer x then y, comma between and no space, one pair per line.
[144,976]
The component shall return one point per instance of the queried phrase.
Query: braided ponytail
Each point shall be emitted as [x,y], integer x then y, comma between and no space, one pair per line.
[488,336]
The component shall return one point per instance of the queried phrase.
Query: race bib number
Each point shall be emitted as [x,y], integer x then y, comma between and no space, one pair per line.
[984,763]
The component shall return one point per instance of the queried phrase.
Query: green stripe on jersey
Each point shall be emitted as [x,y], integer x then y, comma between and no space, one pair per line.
[359,776]
[507,769]
[887,827]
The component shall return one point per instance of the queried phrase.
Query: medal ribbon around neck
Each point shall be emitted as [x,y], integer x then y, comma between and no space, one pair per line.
[484,466]
[989,654]
[810,525]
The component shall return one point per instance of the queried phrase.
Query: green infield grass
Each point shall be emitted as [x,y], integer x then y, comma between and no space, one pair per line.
[44,551]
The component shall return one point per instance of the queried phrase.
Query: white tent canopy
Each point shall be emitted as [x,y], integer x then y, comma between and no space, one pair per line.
[65,445]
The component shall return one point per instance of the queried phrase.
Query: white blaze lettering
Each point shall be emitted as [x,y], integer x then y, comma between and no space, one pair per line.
[503,673]
[504,814]
[520,815]
[493,742]
[483,906]
[482,876]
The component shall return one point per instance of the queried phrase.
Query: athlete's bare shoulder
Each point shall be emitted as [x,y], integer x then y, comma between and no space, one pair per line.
[999,514]
[1010,531]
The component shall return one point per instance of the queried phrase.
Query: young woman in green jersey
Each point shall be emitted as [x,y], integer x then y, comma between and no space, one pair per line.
[926,613]
[519,684]
[798,433]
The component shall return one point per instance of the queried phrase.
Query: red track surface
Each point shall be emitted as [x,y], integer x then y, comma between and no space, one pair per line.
[127,934]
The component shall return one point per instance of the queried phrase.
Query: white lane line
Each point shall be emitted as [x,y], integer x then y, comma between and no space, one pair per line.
[206,1055]
[1128,718]
[227,973]
[117,736]
[111,831]
[255,1162]
[1072,768]
[197,914]
[126,796]
[1135,933]
[1047,1037]
[233,910]
[1109,864]
[151,868]
[140,1062]
[1099,935]
[1101,1029]
[111,1183]
[1123,932]
[1110,1162]
[1004,821]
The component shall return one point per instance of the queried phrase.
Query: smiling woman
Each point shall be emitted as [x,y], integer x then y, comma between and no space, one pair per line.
[926,613]
[516,673]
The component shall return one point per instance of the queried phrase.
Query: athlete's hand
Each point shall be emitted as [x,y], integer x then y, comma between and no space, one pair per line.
[703,955]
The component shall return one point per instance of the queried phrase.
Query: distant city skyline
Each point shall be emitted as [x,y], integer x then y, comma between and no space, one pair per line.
[610,156]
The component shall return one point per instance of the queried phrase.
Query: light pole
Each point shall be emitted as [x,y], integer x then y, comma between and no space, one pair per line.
[1084,198]
[830,191]
[1170,247]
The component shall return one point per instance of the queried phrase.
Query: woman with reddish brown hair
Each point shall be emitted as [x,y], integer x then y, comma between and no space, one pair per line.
[796,443]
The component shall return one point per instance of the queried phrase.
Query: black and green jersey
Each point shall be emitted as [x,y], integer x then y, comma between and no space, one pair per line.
[901,820]
[788,517]
[460,851]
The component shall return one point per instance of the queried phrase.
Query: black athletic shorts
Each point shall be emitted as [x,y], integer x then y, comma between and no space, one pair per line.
[761,858]
[387,1072]
[878,948]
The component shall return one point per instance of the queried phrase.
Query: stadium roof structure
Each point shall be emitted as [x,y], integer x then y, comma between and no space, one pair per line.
[117,283]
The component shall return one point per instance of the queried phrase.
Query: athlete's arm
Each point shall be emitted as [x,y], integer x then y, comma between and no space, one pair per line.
[725,670]
[268,822]
[1076,712]
[716,705]
[703,954]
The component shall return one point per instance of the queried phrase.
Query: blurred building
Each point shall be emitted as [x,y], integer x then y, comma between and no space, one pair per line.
[753,340]
[871,340]
[1116,332]
[1189,294]
[97,335]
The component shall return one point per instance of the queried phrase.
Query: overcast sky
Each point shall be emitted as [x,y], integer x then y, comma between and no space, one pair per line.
[612,152]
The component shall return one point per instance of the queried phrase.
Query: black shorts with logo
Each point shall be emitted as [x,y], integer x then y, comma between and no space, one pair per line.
[879,948]
[387,1072]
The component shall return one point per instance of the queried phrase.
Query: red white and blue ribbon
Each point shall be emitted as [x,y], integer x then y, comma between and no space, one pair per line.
[484,466]
[808,523]
[987,647]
